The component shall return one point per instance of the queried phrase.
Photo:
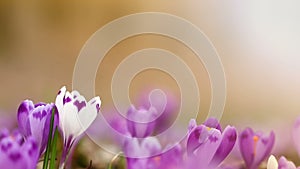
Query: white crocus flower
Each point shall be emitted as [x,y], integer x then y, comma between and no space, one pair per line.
[75,116]
[272,163]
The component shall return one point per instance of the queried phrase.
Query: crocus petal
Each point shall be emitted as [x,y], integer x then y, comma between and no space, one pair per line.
[140,122]
[148,147]
[69,121]
[205,152]
[283,163]
[60,99]
[263,148]
[196,138]
[272,163]
[192,125]
[229,137]
[88,114]
[296,135]
[247,146]
[172,158]
[23,112]
[18,154]
[212,123]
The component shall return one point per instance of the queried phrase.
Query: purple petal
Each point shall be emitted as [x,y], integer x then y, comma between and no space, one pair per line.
[196,138]
[296,135]
[173,157]
[263,148]
[229,137]
[283,163]
[16,154]
[23,112]
[247,146]
[206,151]
[140,122]
[192,125]
[213,123]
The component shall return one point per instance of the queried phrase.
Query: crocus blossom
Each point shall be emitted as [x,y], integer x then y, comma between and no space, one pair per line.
[34,120]
[272,163]
[207,146]
[296,135]
[140,153]
[17,153]
[140,122]
[75,115]
[282,163]
[255,147]
[147,153]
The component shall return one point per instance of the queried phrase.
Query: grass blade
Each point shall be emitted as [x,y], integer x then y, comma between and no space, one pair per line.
[46,157]
[53,150]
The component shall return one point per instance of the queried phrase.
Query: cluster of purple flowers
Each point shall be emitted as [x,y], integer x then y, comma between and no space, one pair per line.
[23,148]
[205,146]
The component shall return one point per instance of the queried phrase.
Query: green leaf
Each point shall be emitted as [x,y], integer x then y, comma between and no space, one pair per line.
[53,150]
[46,157]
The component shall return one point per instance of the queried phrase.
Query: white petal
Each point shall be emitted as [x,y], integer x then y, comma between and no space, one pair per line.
[75,94]
[69,122]
[89,113]
[272,163]
[60,99]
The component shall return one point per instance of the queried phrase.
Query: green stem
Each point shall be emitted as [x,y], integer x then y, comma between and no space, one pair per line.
[113,160]
[53,150]
[46,157]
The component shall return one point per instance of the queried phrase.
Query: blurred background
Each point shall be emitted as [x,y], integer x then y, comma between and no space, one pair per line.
[258,43]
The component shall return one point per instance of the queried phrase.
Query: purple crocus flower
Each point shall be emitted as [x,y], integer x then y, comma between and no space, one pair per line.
[141,153]
[207,145]
[147,153]
[283,163]
[296,135]
[34,120]
[17,154]
[140,123]
[255,147]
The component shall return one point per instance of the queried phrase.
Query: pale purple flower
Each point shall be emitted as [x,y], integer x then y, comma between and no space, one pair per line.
[255,147]
[147,153]
[140,122]
[75,116]
[282,163]
[166,105]
[16,153]
[140,153]
[34,120]
[296,135]
[207,145]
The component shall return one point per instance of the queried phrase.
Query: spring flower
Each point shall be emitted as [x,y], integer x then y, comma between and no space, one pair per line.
[34,120]
[140,123]
[75,116]
[282,163]
[255,147]
[140,154]
[272,163]
[296,135]
[17,153]
[147,153]
[207,145]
